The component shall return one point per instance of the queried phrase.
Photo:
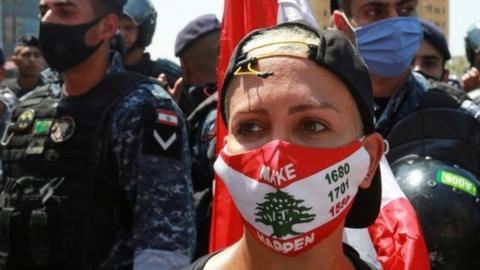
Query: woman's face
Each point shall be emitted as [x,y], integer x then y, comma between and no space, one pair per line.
[302,103]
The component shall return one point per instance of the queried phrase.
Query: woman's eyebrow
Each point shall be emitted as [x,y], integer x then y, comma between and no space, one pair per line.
[312,106]
[253,110]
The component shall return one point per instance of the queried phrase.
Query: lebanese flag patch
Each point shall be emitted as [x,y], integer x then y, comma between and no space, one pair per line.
[167,118]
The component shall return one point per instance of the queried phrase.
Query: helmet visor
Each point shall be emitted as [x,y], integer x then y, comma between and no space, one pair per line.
[473,37]
[139,10]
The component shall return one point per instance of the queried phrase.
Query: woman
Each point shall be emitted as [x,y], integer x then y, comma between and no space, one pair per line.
[301,156]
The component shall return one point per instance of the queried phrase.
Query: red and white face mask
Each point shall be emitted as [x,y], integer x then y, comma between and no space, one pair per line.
[292,197]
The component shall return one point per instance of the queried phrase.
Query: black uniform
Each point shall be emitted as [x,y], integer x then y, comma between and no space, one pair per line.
[73,198]
[172,71]
[151,68]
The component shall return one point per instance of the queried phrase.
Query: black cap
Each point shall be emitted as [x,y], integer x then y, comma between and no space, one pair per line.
[28,40]
[435,36]
[335,53]
[194,31]
[115,4]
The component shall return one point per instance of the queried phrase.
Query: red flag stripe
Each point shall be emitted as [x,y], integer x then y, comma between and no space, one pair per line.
[397,234]
[239,18]
[398,239]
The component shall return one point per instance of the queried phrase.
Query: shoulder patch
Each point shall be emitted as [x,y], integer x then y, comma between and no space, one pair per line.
[164,136]
[168,118]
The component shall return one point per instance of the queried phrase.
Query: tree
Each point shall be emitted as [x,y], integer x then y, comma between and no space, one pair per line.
[281,211]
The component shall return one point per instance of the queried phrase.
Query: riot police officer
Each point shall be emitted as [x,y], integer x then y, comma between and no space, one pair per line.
[433,54]
[137,26]
[197,46]
[438,170]
[98,178]
[471,79]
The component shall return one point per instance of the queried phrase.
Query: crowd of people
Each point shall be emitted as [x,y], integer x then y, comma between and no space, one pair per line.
[109,157]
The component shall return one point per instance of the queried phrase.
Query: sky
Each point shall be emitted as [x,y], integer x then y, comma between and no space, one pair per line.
[463,13]
[173,15]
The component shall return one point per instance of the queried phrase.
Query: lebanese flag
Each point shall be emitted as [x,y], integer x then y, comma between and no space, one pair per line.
[395,241]
[396,234]
[240,17]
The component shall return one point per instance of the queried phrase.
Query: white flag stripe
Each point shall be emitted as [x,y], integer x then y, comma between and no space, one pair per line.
[390,188]
[171,118]
[314,186]
[293,10]
[244,194]
[358,171]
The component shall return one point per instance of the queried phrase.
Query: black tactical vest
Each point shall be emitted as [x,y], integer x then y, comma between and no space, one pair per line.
[61,203]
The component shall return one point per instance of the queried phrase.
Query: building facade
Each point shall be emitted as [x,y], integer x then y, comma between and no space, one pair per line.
[321,11]
[18,18]
[435,11]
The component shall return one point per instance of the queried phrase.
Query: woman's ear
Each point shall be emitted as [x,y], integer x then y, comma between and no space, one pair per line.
[225,140]
[375,146]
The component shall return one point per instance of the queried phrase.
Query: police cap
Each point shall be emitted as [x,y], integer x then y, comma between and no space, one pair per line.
[434,35]
[194,31]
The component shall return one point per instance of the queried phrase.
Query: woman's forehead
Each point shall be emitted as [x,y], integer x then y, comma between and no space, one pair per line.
[295,78]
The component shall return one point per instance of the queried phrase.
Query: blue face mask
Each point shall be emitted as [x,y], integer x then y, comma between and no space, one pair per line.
[388,46]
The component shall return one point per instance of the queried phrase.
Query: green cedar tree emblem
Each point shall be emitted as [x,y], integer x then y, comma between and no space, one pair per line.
[281,211]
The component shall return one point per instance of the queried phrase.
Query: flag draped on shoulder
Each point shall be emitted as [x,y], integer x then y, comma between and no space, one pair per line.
[396,234]
[395,241]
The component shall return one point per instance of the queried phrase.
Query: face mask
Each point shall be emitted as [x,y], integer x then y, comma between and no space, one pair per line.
[388,46]
[63,46]
[292,197]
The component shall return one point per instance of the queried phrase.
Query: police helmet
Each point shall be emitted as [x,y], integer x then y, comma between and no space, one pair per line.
[447,203]
[143,14]
[472,42]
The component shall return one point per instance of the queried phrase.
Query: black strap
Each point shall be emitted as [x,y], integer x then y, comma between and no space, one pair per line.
[6,216]
[39,241]
[354,257]
[204,108]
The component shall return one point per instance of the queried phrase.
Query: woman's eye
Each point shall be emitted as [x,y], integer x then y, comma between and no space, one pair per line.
[312,126]
[248,128]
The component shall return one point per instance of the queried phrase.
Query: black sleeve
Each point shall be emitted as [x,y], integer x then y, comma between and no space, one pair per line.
[201,262]
[354,257]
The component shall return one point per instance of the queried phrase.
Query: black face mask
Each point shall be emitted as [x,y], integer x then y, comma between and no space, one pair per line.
[63,46]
